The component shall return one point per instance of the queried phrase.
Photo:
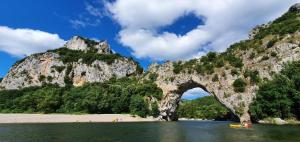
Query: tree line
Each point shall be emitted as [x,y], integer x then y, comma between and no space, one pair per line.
[125,95]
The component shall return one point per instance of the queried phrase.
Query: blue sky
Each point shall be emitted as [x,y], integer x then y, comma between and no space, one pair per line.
[147,30]
[53,16]
[194,94]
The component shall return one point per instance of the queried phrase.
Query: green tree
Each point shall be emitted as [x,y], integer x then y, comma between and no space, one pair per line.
[204,108]
[239,85]
[138,106]
[279,97]
[113,96]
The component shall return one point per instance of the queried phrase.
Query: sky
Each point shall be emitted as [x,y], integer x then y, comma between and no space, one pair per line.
[147,30]
[194,93]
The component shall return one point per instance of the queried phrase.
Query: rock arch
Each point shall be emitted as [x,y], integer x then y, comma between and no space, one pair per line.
[174,85]
[173,92]
[254,56]
[170,102]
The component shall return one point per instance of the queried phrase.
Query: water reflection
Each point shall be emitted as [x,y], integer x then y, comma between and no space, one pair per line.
[171,132]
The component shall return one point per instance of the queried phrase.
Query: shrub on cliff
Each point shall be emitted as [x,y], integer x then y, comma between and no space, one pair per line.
[286,24]
[234,61]
[253,74]
[88,57]
[239,85]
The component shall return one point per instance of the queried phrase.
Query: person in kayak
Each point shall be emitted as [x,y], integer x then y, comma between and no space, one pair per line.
[247,124]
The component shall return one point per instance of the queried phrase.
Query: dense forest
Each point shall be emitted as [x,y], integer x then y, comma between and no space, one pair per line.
[124,95]
[279,97]
[203,108]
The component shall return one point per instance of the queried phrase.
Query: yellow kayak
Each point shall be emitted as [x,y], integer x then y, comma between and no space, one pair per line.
[235,126]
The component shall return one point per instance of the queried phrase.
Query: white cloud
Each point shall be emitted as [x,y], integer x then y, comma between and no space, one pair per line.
[24,42]
[95,11]
[92,15]
[194,93]
[84,22]
[76,23]
[226,21]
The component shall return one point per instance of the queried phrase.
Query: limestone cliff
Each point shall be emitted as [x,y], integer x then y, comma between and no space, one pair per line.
[268,49]
[79,61]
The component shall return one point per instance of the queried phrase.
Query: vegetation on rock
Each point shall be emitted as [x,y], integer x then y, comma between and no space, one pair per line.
[208,63]
[87,57]
[279,97]
[239,85]
[286,24]
[253,74]
[59,68]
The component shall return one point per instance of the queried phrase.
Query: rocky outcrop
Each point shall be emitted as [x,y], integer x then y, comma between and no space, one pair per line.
[82,44]
[295,7]
[174,85]
[256,30]
[48,67]
[267,59]
[276,121]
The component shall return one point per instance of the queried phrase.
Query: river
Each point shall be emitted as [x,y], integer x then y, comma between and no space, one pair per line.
[182,131]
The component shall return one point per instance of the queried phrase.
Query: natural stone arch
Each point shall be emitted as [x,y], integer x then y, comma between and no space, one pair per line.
[173,93]
[171,100]
[174,85]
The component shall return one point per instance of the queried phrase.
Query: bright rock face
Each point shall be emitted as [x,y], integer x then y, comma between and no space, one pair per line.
[266,54]
[267,58]
[174,85]
[79,43]
[48,68]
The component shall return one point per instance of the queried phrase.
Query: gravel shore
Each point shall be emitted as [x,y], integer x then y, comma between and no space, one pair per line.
[69,118]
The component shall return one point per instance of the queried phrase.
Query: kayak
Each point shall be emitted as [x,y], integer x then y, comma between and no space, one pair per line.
[235,126]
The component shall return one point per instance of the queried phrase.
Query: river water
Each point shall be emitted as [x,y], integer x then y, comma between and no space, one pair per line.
[182,131]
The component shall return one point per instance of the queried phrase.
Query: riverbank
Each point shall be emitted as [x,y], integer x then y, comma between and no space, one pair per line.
[70,118]
[194,119]
[278,121]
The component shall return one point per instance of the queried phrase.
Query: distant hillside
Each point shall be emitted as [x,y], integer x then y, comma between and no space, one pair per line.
[203,108]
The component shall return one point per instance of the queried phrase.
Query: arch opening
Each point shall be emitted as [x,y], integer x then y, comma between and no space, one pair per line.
[193,101]
[195,93]
[199,104]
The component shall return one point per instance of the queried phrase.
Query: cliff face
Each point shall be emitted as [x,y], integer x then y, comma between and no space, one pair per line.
[255,60]
[90,61]
[233,77]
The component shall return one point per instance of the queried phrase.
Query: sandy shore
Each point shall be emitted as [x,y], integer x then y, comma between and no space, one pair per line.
[69,118]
